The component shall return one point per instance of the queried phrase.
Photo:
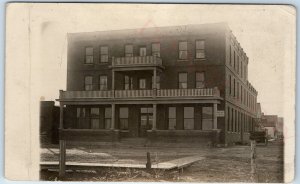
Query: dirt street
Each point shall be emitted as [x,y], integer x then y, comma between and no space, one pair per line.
[231,164]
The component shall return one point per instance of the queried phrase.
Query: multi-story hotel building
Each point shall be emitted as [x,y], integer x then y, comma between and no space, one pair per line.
[165,84]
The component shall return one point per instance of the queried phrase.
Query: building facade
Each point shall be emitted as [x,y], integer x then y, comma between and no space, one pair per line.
[168,84]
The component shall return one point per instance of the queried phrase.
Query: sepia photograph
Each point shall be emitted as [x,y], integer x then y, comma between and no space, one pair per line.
[121,92]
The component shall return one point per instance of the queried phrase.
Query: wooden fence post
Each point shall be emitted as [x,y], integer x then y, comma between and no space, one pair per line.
[253,160]
[148,164]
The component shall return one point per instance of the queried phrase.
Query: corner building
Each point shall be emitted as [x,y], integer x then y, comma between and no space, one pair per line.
[181,84]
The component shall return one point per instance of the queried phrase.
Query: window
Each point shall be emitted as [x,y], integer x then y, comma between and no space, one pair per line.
[228,119]
[242,72]
[128,82]
[157,82]
[103,82]
[123,118]
[200,49]
[234,59]
[104,54]
[238,90]
[143,51]
[172,118]
[207,118]
[128,50]
[183,50]
[200,78]
[142,83]
[238,64]
[230,91]
[95,121]
[188,118]
[230,55]
[156,49]
[234,87]
[83,121]
[88,83]
[89,55]
[107,118]
[182,80]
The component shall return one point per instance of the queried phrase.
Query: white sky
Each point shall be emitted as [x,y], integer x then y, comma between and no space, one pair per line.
[265,33]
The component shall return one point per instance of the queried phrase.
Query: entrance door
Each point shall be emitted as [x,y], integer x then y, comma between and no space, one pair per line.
[146,120]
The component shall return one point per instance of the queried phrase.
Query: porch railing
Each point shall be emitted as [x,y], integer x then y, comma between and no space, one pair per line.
[85,94]
[185,92]
[136,60]
[151,93]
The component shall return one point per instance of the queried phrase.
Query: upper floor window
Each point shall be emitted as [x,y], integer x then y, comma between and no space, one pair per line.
[183,50]
[89,55]
[156,49]
[103,82]
[128,50]
[128,82]
[143,51]
[200,79]
[88,83]
[104,54]
[142,83]
[182,80]
[200,49]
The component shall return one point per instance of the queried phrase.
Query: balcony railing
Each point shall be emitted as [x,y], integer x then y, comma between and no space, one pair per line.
[85,94]
[127,94]
[133,93]
[137,61]
[185,92]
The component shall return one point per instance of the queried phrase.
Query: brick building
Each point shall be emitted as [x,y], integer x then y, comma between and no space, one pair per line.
[167,84]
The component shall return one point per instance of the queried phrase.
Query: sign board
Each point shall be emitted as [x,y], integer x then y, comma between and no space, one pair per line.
[220,114]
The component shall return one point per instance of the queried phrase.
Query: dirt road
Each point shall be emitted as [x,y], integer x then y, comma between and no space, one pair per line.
[231,164]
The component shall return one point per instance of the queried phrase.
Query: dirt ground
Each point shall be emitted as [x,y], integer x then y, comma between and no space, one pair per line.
[230,164]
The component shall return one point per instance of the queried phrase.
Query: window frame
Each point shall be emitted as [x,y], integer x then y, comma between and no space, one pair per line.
[107,54]
[85,84]
[179,50]
[124,119]
[155,53]
[179,82]
[188,118]
[128,54]
[106,84]
[140,51]
[172,118]
[89,55]
[200,81]
[200,49]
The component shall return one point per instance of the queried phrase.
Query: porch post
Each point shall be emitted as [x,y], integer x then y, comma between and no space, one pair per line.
[113,106]
[215,116]
[154,117]
[62,144]
[154,78]
[113,83]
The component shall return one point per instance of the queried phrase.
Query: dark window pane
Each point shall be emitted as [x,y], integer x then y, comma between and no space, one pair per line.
[188,112]
[182,77]
[95,112]
[107,112]
[172,124]
[123,112]
[95,123]
[182,45]
[172,112]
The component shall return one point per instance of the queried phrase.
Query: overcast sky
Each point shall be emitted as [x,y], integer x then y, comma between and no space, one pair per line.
[264,32]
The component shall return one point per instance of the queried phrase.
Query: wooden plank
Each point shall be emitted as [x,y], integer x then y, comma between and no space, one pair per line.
[172,164]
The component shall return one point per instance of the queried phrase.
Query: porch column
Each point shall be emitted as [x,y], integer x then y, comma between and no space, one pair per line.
[62,144]
[215,125]
[154,117]
[113,83]
[154,78]
[113,106]
[154,83]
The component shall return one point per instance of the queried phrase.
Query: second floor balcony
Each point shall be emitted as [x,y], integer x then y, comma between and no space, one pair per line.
[146,94]
[137,61]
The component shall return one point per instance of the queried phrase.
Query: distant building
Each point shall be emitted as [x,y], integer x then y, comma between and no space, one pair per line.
[176,84]
[49,121]
[270,122]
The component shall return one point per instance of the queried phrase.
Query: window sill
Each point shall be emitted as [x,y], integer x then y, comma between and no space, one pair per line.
[199,59]
[182,60]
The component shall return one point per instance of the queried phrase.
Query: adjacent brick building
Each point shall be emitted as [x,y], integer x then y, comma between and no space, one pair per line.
[167,84]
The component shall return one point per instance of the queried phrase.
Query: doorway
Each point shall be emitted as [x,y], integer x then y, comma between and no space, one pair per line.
[146,120]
